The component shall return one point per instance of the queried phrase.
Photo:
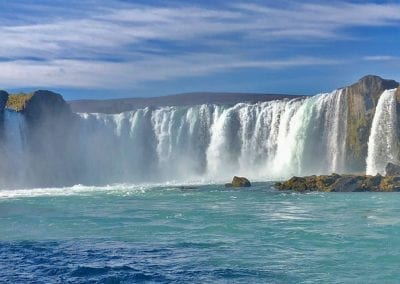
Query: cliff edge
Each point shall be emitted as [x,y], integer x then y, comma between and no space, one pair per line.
[3,100]
[362,98]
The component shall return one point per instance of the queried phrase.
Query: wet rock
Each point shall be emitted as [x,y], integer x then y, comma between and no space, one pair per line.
[392,169]
[341,183]
[184,187]
[239,182]
[45,104]
[362,98]
[3,100]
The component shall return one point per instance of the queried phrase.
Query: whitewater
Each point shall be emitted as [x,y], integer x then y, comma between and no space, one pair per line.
[264,141]
[119,209]
[205,235]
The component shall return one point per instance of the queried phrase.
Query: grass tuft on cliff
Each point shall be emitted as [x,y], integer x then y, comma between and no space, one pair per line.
[17,102]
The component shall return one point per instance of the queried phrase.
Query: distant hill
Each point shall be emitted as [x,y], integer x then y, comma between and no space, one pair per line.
[121,105]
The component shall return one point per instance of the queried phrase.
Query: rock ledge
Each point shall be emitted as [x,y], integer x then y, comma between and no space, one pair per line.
[341,183]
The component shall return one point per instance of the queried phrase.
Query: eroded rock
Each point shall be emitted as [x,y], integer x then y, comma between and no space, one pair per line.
[341,183]
[392,169]
[239,182]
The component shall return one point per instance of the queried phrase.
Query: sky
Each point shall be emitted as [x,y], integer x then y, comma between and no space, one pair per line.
[109,49]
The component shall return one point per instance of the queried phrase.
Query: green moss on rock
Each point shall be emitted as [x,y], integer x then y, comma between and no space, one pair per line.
[17,102]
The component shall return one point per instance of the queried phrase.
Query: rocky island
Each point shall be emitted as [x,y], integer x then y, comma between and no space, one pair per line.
[345,183]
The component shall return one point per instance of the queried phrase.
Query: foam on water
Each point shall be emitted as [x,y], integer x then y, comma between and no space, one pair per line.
[205,235]
[66,191]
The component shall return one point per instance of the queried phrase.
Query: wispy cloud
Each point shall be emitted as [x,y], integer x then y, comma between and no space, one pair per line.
[100,74]
[381,58]
[122,44]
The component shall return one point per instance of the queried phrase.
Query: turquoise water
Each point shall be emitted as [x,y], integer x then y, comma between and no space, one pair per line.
[125,234]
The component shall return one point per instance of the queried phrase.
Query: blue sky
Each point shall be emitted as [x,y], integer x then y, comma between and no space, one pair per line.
[110,48]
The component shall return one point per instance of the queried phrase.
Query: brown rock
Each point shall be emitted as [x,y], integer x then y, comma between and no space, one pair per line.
[239,182]
[341,183]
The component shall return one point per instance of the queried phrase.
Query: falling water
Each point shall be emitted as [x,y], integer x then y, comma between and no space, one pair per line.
[382,144]
[264,140]
[267,140]
[13,150]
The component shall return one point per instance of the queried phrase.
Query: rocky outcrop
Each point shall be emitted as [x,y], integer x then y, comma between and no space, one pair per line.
[3,100]
[51,129]
[45,104]
[362,98]
[239,182]
[392,169]
[341,183]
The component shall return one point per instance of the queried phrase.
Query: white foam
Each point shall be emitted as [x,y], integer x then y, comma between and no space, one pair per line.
[65,191]
[123,188]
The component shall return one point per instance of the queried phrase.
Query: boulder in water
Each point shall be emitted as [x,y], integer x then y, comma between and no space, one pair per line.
[392,169]
[239,182]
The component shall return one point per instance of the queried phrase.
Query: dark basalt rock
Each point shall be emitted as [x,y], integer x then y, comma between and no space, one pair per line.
[341,183]
[45,104]
[392,169]
[239,182]
[184,187]
[3,100]
[362,98]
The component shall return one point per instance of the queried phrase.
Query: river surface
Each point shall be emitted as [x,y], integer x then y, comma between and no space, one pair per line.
[163,234]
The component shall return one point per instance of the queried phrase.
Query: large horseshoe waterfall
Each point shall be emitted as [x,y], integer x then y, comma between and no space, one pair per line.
[269,140]
[264,140]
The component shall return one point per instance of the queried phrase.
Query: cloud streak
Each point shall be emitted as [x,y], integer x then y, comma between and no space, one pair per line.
[125,45]
[120,75]
[381,58]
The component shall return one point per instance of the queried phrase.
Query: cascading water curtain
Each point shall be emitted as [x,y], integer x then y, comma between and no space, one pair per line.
[382,143]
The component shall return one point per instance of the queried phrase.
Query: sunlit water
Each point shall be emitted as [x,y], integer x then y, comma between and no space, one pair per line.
[126,234]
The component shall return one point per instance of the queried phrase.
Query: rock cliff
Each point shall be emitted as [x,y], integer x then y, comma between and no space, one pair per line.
[51,132]
[3,100]
[44,104]
[362,98]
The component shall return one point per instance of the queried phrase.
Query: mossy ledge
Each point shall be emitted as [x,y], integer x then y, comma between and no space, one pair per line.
[17,102]
[341,183]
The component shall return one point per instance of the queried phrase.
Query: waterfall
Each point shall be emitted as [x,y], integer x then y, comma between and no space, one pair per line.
[269,140]
[266,140]
[13,168]
[382,143]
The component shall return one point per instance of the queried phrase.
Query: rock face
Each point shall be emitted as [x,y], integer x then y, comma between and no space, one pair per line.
[44,104]
[3,100]
[392,169]
[341,183]
[362,98]
[239,182]
[51,132]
